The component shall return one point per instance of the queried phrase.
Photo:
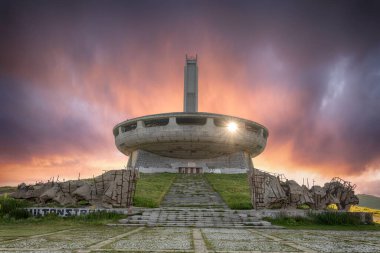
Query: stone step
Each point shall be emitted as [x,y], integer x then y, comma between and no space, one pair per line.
[209,225]
[193,211]
[195,219]
[251,227]
[192,191]
[199,218]
[218,217]
[259,223]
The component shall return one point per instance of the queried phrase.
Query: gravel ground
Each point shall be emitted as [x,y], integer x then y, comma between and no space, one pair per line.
[166,239]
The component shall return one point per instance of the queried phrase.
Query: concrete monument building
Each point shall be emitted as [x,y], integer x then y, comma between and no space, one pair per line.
[190,141]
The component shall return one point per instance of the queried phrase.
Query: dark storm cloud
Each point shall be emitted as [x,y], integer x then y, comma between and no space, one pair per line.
[34,122]
[308,70]
[331,53]
[342,117]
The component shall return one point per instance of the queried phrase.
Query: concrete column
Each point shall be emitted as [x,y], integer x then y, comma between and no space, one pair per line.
[172,121]
[210,122]
[140,124]
[191,85]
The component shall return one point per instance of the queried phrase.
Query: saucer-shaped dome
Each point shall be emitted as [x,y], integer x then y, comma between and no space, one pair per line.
[190,135]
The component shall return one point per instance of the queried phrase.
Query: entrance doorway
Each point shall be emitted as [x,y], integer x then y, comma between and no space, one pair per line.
[190,170]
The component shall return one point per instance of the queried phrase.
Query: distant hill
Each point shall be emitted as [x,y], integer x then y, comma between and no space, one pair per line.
[369,201]
[7,189]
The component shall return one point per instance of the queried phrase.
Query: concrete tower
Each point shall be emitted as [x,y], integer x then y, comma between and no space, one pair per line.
[191,85]
[190,141]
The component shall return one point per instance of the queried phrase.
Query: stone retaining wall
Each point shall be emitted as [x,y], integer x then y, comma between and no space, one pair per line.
[365,218]
[66,212]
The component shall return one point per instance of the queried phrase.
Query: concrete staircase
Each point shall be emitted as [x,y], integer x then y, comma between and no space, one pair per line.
[185,217]
[193,191]
[191,202]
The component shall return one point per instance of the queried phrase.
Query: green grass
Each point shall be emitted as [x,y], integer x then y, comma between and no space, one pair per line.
[97,218]
[327,221]
[12,229]
[233,188]
[13,208]
[335,218]
[369,201]
[7,189]
[151,188]
[12,212]
[29,228]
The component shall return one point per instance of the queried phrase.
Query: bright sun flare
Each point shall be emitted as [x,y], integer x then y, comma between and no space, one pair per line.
[232,126]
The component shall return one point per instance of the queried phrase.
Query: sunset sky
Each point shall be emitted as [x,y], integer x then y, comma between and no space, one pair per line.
[307,70]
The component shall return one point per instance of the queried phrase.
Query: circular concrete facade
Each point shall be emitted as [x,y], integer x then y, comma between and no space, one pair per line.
[190,135]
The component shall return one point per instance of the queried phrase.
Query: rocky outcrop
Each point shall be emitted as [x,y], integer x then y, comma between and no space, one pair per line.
[266,190]
[269,191]
[297,195]
[114,188]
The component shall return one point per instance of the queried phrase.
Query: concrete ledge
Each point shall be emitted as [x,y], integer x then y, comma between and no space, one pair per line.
[365,218]
[67,212]
[205,170]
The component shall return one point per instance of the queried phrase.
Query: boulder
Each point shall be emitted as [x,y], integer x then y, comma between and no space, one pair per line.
[83,193]
[49,194]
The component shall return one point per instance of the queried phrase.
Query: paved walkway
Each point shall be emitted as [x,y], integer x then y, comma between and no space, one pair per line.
[166,239]
[191,202]
[192,191]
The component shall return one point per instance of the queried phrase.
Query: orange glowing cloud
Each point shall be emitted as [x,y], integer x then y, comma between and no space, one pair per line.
[66,84]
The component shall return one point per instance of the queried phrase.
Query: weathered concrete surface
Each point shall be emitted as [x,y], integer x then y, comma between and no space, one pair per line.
[112,189]
[266,190]
[196,217]
[167,239]
[147,162]
[192,191]
[270,191]
[205,136]
[191,201]
[190,101]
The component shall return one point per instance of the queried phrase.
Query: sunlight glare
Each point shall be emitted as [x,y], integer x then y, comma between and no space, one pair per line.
[232,127]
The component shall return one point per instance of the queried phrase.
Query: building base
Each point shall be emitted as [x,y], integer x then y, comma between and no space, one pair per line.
[147,162]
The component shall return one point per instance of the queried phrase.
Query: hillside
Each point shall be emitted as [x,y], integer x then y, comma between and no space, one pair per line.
[369,201]
[7,189]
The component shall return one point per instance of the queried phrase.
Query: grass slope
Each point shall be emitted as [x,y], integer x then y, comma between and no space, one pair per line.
[233,188]
[151,188]
[7,189]
[369,201]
